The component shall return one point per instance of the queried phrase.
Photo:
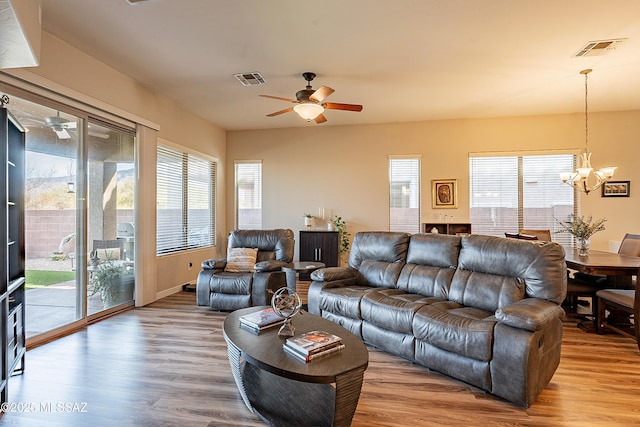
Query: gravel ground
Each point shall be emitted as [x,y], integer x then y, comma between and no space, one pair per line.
[48,264]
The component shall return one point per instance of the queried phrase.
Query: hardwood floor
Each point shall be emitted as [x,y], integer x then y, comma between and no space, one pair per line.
[166,365]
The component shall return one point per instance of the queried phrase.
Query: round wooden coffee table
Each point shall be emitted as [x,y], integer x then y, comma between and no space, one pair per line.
[282,390]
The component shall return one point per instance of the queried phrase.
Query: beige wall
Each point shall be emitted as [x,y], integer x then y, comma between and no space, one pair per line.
[341,169]
[344,169]
[65,66]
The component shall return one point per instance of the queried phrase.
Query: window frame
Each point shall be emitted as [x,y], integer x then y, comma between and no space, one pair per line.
[187,185]
[522,203]
[415,191]
[256,196]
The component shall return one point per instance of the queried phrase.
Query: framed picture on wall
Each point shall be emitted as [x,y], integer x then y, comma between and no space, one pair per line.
[616,189]
[444,193]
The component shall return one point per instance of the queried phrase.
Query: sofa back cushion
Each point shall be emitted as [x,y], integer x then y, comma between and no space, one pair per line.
[431,263]
[378,274]
[378,256]
[495,271]
[276,244]
[436,250]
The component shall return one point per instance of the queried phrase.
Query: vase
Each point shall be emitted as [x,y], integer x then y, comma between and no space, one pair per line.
[583,246]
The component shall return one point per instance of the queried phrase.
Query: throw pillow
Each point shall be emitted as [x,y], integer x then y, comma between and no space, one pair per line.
[241,259]
[108,254]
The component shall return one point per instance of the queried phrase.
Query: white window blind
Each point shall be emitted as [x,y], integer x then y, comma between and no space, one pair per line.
[185,201]
[404,194]
[514,192]
[248,183]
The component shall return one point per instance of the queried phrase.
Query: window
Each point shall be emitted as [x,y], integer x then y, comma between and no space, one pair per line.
[249,195]
[186,201]
[513,192]
[404,194]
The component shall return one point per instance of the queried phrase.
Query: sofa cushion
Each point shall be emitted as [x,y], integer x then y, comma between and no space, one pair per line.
[466,331]
[231,283]
[426,280]
[344,301]
[378,246]
[536,266]
[486,291]
[241,259]
[379,274]
[393,309]
[437,250]
[272,244]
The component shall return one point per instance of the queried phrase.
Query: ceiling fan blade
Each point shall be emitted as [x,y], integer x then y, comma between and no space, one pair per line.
[320,94]
[279,98]
[62,133]
[345,107]
[320,119]
[70,125]
[277,113]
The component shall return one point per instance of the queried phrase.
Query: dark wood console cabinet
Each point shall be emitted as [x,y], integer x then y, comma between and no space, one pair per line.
[319,246]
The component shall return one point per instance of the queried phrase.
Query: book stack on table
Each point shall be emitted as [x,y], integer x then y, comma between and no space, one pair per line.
[260,320]
[313,345]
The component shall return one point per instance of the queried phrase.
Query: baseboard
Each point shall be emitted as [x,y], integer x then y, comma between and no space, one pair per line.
[168,292]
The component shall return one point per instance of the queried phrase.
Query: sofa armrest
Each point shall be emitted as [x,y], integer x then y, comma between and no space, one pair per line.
[213,264]
[315,291]
[330,274]
[270,265]
[532,314]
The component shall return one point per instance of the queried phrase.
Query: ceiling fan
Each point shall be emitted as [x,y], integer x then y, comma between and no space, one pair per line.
[310,105]
[60,125]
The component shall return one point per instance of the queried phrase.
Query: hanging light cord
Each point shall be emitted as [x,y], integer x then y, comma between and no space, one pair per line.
[586,107]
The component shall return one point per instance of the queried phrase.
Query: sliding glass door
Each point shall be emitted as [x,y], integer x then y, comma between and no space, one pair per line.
[53,295]
[111,185]
[79,230]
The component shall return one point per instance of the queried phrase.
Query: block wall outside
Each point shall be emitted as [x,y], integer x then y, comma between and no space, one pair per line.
[45,229]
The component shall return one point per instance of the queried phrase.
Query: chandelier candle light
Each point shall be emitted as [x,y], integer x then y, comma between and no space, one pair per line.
[579,178]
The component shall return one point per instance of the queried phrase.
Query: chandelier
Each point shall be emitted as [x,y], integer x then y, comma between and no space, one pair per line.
[582,177]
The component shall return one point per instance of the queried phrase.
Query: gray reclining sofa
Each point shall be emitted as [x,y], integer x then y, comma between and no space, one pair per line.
[485,310]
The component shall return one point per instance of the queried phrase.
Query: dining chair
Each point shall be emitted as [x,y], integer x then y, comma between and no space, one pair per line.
[583,285]
[543,235]
[620,301]
[520,236]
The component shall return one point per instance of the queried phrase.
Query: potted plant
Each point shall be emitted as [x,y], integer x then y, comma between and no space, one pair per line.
[308,219]
[582,229]
[343,235]
[110,280]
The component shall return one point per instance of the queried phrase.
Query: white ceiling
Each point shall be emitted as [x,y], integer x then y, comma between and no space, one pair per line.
[404,60]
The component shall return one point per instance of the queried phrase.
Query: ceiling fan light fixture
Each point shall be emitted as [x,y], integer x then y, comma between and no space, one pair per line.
[308,110]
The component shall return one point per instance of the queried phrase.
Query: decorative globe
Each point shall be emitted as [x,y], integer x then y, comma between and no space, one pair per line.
[286,303]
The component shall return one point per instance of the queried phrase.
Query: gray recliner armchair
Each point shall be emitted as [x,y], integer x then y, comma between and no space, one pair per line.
[224,288]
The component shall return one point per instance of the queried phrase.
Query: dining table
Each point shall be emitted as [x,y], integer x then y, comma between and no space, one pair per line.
[618,268]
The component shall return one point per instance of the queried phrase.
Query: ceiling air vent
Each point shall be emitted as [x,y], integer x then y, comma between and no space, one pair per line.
[599,47]
[250,79]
